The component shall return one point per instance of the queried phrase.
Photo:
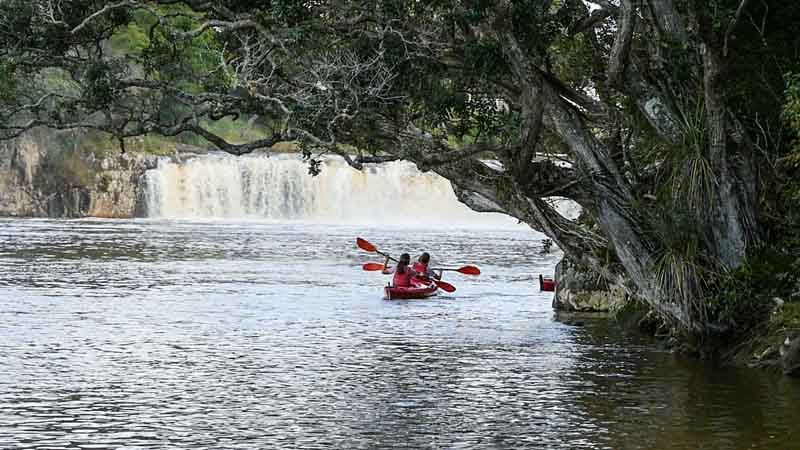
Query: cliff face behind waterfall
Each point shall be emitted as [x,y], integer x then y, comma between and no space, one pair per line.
[40,177]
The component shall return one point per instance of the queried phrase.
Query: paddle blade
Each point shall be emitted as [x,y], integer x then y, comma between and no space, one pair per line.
[365,245]
[445,286]
[469,270]
[372,267]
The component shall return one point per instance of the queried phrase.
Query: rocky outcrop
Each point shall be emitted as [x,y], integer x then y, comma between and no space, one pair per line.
[117,184]
[578,290]
[790,356]
[41,180]
[19,162]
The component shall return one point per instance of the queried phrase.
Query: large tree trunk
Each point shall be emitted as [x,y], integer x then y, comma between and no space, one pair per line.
[733,218]
[607,195]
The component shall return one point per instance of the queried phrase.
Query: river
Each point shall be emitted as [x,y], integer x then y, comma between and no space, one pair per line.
[165,334]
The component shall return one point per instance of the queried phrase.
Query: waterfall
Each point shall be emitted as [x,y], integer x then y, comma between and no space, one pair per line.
[279,188]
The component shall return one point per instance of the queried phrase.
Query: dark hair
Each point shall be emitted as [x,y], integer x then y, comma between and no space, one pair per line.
[425,258]
[405,260]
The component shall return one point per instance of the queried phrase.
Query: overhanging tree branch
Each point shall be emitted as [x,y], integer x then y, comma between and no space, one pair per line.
[105,10]
[732,25]
[622,43]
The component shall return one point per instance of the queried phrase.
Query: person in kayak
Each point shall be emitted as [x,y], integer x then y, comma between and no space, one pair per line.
[403,273]
[421,266]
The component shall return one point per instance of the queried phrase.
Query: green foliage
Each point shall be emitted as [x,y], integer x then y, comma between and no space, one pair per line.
[131,40]
[685,182]
[90,142]
[676,220]
[290,12]
[762,58]
[681,269]
[692,178]
[101,88]
[154,144]
[788,317]
[572,58]
[678,272]
[484,58]
[791,114]
[746,295]
[773,270]
[189,64]
[234,131]
[9,82]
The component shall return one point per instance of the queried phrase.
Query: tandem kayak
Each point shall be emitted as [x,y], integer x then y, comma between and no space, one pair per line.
[422,290]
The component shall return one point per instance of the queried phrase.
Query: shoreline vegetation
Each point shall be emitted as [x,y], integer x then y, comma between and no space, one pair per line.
[674,125]
[769,339]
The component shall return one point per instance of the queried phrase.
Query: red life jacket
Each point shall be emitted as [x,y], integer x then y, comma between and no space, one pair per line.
[420,268]
[402,279]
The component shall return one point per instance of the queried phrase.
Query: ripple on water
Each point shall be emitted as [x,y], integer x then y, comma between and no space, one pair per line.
[143,335]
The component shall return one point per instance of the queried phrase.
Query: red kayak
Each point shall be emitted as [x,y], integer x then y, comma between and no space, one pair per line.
[546,284]
[421,290]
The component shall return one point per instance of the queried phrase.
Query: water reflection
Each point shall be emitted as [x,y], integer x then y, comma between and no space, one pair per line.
[150,335]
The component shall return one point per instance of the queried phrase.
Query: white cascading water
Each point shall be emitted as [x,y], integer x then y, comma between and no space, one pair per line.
[280,188]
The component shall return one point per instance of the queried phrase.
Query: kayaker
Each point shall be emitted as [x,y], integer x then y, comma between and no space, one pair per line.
[403,273]
[421,266]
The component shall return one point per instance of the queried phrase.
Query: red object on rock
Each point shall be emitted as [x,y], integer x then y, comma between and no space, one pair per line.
[546,284]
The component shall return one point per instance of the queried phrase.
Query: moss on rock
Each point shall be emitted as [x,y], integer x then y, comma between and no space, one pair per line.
[578,289]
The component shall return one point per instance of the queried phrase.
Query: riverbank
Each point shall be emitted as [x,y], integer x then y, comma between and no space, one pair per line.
[770,339]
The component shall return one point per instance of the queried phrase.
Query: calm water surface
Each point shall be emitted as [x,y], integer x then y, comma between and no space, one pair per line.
[169,335]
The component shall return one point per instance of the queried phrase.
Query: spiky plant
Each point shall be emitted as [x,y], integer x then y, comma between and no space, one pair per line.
[692,178]
[680,279]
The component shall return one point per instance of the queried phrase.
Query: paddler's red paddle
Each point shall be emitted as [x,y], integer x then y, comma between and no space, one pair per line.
[372,267]
[445,286]
[363,244]
[466,270]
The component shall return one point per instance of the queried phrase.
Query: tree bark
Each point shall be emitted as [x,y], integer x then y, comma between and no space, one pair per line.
[622,44]
[733,223]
